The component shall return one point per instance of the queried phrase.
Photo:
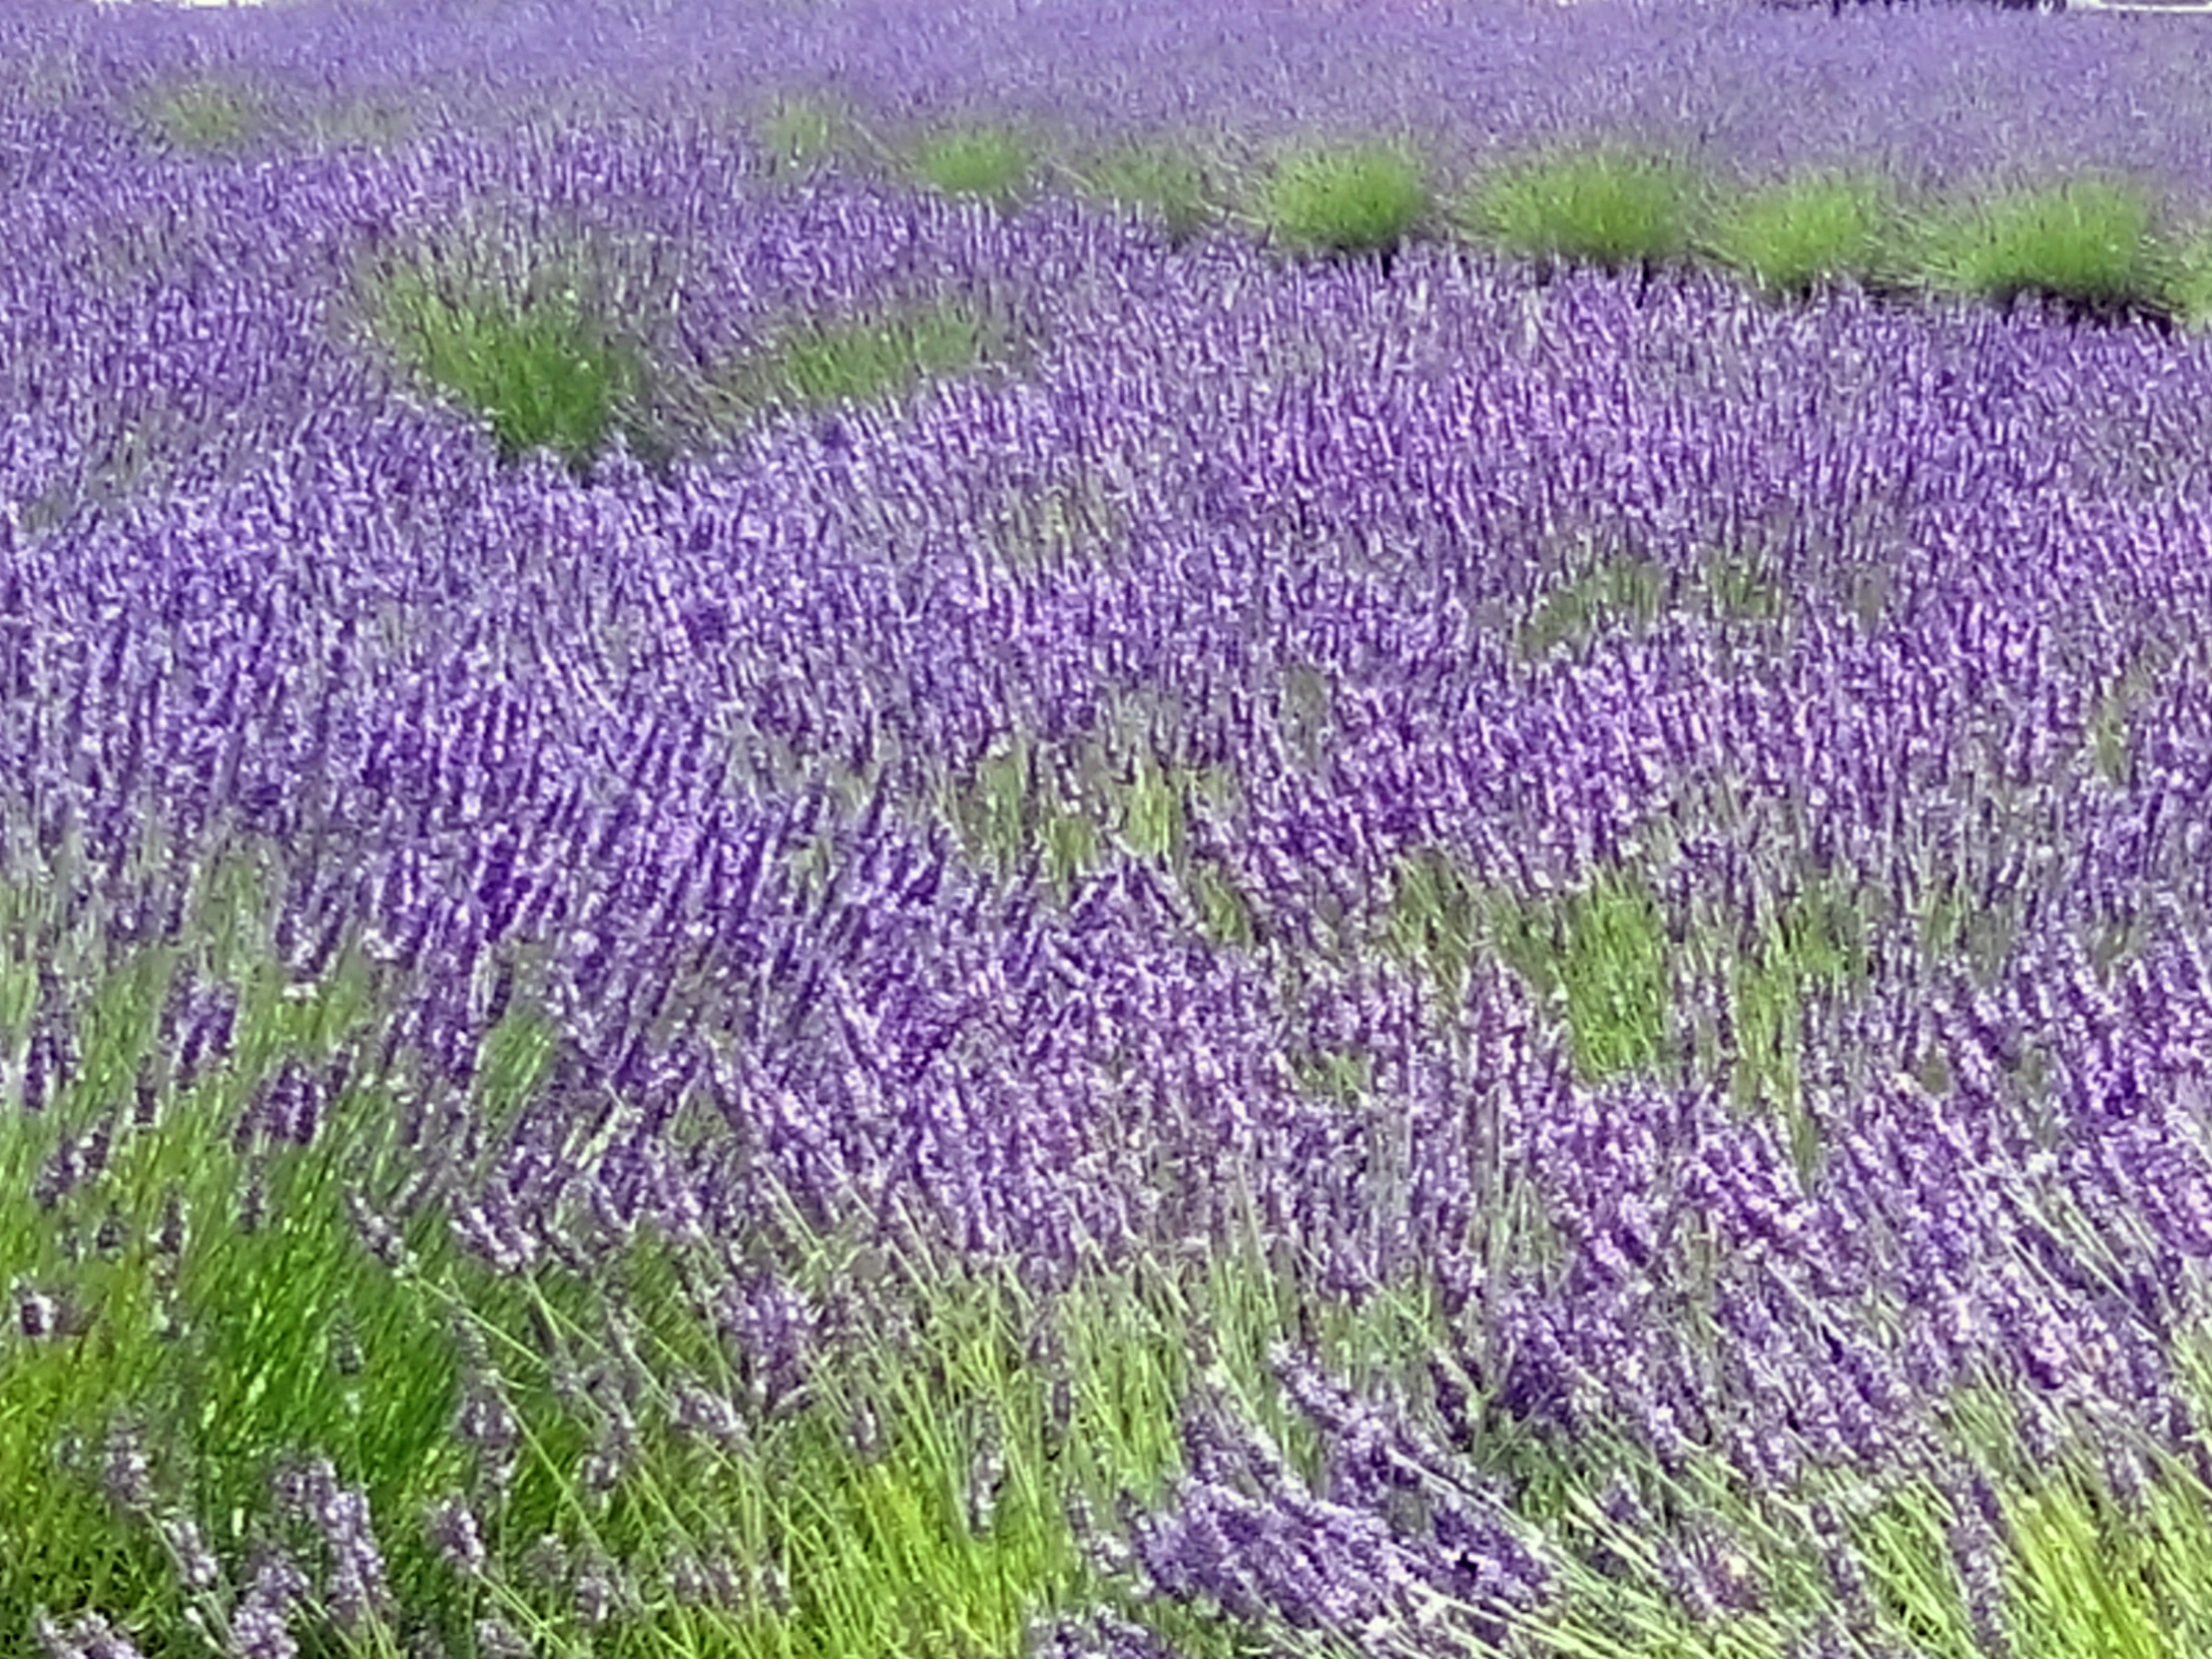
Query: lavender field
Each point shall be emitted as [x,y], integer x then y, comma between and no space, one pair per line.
[1014,828]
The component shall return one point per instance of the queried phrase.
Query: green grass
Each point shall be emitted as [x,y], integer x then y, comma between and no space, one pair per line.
[2088,240]
[884,353]
[540,375]
[205,118]
[1155,179]
[798,133]
[993,163]
[551,357]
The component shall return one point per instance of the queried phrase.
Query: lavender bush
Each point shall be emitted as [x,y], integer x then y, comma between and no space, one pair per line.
[753,912]
[1789,238]
[977,160]
[1155,179]
[2087,240]
[1604,210]
[1355,202]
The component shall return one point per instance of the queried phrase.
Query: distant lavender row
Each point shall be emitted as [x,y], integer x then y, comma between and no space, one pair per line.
[1950,98]
[499,708]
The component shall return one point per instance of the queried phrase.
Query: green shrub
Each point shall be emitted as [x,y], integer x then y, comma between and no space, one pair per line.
[538,361]
[1789,236]
[799,131]
[2187,290]
[990,162]
[2087,240]
[860,359]
[1359,201]
[540,376]
[205,118]
[1602,207]
[1153,178]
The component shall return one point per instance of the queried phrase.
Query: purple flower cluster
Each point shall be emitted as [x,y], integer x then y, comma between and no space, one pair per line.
[89,1637]
[353,1589]
[1099,1633]
[1249,1534]
[261,1627]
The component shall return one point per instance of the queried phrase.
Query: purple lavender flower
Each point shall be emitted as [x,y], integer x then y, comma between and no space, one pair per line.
[1098,1634]
[97,1639]
[1827,1639]
[146,1099]
[546,1563]
[168,1232]
[1103,1552]
[687,1580]
[196,1563]
[712,1416]
[773,1585]
[253,1202]
[37,1315]
[379,1236]
[1846,1571]
[496,1639]
[1060,1414]
[1621,1505]
[261,1628]
[57,1177]
[51,1637]
[340,1514]
[128,1475]
[490,1231]
[602,1586]
[453,1529]
[2123,1472]
[1975,1550]
[1679,1568]
[613,1455]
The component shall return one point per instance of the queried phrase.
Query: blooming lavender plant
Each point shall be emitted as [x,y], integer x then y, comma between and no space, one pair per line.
[1566,942]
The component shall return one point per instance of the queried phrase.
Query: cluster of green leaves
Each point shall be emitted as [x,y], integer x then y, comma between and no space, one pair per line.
[537,354]
[882,354]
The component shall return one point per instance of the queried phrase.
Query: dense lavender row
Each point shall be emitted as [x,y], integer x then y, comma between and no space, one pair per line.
[1754,90]
[1345,579]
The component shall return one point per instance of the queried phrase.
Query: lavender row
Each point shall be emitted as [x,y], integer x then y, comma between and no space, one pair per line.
[1948,97]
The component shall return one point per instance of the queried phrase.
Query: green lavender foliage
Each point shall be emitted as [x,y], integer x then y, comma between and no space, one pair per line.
[1789,238]
[1362,199]
[2087,240]
[1608,207]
